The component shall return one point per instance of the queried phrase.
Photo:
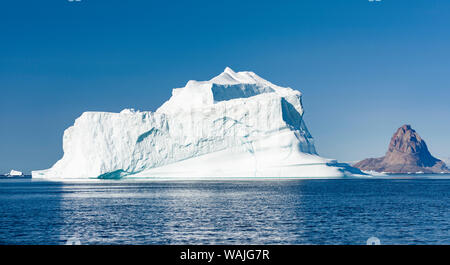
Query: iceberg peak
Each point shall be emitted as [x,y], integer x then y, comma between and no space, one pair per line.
[228,70]
[228,85]
[230,77]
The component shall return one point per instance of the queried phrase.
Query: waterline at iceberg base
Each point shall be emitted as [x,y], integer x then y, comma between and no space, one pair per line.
[236,125]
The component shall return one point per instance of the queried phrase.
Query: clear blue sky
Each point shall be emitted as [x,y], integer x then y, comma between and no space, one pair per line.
[365,68]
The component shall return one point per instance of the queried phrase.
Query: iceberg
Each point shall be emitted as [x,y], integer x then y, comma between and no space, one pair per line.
[14,173]
[236,125]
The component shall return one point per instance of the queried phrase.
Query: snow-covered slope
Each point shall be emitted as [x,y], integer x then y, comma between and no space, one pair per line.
[234,125]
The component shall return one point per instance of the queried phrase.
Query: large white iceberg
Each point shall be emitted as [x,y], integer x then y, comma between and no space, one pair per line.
[236,125]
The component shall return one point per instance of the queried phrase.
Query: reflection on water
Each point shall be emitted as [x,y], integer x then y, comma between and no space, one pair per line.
[400,211]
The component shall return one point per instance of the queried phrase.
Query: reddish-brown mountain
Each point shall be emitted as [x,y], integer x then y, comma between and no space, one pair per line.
[407,153]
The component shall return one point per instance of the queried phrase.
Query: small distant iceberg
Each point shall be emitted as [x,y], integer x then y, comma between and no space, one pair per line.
[14,173]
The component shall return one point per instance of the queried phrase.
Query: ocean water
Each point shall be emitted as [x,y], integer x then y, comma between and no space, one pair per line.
[397,210]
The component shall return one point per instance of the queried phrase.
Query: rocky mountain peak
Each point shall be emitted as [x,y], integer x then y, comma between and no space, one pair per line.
[407,153]
[407,140]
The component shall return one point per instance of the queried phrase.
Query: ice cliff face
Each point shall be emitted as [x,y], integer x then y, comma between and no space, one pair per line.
[234,125]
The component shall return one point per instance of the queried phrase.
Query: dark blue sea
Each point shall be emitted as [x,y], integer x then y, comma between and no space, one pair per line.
[397,210]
